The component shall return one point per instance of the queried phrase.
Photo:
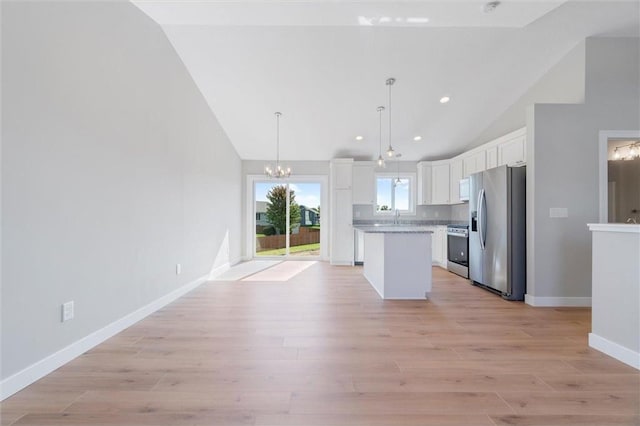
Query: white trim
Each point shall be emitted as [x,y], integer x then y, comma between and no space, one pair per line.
[631,228]
[615,350]
[603,157]
[339,263]
[39,369]
[557,301]
[251,215]
[219,270]
[413,201]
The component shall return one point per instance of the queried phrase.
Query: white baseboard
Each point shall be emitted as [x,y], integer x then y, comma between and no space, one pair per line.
[341,263]
[219,270]
[557,301]
[615,350]
[36,371]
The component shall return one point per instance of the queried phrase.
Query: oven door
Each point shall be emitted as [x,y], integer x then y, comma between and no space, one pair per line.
[458,248]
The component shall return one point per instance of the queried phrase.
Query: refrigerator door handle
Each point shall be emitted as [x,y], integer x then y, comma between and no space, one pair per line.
[480,218]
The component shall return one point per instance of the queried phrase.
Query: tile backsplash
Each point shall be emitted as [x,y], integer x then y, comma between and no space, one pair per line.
[364,212]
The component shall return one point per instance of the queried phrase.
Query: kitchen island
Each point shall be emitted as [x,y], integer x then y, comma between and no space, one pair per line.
[397,260]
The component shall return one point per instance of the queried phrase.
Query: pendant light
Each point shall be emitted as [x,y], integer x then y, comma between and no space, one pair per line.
[380,158]
[279,171]
[390,151]
[398,181]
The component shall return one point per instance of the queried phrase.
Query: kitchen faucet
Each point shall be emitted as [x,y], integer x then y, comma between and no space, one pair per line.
[396,217]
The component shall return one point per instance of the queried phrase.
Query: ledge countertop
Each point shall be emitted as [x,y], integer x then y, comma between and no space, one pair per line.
[631,228]
[397,229]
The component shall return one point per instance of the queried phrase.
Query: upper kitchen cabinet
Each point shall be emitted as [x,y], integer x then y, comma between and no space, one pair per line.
[440,187]
[364,182]
[433,182]
[341,173]
[512,150]
[492,157]
[509,149]
[455,174]
[474,162]
[424,182]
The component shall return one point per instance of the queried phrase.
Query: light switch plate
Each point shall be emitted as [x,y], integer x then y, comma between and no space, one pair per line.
[556,212]
[178,269]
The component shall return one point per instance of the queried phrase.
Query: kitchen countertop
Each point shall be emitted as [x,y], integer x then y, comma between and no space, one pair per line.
[394,228]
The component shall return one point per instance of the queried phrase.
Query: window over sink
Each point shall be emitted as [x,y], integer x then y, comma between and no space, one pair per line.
[395,192]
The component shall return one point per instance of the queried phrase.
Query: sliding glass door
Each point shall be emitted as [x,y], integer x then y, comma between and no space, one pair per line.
[287,218]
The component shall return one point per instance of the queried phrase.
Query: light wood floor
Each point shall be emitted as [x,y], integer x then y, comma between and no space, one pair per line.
[322,350]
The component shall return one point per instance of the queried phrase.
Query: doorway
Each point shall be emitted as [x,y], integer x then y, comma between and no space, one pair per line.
[619,177]
[287,218]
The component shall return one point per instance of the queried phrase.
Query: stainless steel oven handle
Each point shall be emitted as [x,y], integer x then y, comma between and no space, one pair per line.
[457,234]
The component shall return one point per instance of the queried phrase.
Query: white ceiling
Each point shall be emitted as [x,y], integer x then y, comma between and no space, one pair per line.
[323,64]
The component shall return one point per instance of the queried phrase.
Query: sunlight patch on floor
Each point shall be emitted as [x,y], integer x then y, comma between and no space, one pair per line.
[282,272]
[245,269]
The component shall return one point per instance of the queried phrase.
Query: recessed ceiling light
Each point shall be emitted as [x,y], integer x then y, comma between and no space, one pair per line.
[417,138]
[444,99]
[359,138]
[490,7]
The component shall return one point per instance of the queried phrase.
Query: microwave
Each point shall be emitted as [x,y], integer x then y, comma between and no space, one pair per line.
[464,189]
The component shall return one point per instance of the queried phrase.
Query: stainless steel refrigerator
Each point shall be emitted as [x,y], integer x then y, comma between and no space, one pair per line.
[497,231]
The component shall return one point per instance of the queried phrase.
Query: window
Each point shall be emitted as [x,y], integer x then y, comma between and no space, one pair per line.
[395,192]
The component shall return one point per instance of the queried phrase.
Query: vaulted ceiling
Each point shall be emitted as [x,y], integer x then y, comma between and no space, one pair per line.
[323,64]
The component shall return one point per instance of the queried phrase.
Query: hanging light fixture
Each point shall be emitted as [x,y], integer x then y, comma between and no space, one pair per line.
[279,171]
[390,150]
[380,158]
[632,149]
[398,181]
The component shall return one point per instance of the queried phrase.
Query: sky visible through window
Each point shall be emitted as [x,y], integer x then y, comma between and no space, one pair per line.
[385,188]
[307,194]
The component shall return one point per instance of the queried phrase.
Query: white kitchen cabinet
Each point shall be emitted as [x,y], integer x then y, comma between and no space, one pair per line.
[358,243]
[492,157]
[363,183]
[439,246]
[474,163]
[341,248]
[440,186]
[341,212]
[512,152]
[455,174]
[433,182]
[341,173]
[424,182]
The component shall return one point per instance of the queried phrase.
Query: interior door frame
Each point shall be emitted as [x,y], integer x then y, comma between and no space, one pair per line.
[250,221]
[603,165]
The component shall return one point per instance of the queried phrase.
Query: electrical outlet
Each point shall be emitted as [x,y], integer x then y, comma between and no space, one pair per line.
[178,269]
[67,311]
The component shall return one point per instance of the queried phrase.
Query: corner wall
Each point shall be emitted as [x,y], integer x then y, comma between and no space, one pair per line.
[563,171]
[114,170]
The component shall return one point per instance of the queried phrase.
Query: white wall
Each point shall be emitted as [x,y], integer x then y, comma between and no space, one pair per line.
[114,170]
[563,83]
[615,324]
[562,170]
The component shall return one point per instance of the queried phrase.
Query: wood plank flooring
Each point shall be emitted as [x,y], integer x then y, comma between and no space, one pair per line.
[322,349]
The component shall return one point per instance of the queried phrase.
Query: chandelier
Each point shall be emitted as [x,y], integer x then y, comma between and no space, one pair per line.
[278,171]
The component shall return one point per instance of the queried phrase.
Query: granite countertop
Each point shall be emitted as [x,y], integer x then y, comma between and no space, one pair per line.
[394,228]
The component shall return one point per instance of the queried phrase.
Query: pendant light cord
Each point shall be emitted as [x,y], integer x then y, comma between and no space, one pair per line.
[390,82]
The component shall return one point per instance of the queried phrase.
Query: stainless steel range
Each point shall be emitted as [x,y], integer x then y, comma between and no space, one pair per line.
[458,249]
